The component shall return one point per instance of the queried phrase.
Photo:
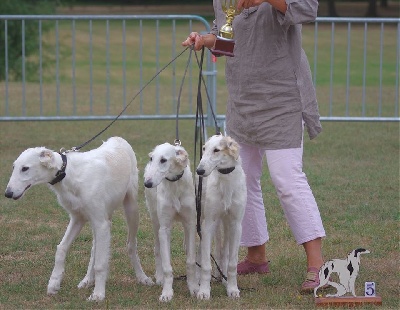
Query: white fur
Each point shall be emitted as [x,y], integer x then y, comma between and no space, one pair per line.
[347,271]
[96,183]
[168,201]
[225,204]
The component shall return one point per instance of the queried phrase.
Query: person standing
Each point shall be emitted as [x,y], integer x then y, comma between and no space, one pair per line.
[271,99]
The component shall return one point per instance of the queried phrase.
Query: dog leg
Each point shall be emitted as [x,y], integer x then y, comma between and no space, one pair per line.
[102,237]
[131,209]
[322,283]
[218,251]
[88,280]
[208,229]
[235,232]
[351,289]
[341,290]
[190,244]
[74,227]
[226,239]
[164,236]
[157,254]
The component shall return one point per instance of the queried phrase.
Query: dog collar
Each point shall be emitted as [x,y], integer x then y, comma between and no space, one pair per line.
[177,177]
[60,173]
[226,170]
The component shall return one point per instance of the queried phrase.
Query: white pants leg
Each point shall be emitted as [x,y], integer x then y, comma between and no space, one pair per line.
[254,224]
[295,195]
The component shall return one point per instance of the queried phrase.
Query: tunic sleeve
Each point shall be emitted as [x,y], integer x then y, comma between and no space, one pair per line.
[299,12]
[214,29]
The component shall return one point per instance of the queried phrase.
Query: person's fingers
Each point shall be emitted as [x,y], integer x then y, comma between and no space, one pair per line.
[190,39]
[240,4]
[245,4]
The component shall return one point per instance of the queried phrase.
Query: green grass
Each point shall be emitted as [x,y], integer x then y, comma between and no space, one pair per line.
[353,169]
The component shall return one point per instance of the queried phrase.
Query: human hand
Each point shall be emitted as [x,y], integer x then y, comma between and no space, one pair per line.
[194,39]
[245,4]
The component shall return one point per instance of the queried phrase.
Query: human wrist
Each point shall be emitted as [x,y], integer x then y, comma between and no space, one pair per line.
[209,40]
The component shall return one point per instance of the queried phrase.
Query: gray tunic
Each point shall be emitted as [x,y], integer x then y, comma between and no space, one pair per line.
[269,78]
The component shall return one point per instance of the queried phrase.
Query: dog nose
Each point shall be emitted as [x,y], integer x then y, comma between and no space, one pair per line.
[148,184]
[200,171]
[8,193]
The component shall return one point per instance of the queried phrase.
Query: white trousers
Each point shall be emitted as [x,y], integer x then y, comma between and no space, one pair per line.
[295,195]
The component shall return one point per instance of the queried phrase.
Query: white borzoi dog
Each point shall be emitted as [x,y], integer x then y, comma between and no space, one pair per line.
[89,186]
[170,196]
[225,203]
[347,271]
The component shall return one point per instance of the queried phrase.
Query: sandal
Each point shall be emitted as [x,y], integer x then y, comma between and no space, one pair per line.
[311,281]
[247,267]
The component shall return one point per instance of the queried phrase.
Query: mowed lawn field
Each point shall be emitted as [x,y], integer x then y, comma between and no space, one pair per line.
[352,167]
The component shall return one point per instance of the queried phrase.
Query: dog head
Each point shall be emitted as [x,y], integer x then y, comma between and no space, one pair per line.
[358,252]
[166,162]
[219,152]
[33,166]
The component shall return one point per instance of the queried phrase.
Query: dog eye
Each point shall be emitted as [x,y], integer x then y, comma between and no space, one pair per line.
[216,150]
[204,148]
[163,160]
[24,169]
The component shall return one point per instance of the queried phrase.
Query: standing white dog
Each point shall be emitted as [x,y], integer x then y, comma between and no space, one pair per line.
[347,271]
[226,198]
[170,196]
[89,186]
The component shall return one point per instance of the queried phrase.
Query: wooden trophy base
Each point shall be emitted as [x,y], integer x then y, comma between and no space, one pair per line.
[347,301]
[223,47]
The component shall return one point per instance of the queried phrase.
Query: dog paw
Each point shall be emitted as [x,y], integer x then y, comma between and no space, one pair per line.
[203,295]
[146,281]
[166,295]
[86,283]
[96,297]
[233,293]
[159,280]
[53,288]
[193,289]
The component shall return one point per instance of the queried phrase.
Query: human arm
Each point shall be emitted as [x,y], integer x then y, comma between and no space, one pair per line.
[280,5]
[292,11]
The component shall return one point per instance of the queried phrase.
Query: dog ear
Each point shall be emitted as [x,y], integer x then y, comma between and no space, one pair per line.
[46,158]
[233,147]
[181,157]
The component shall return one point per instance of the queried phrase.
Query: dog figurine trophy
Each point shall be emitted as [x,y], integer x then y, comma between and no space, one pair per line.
[346,271]
[225,43]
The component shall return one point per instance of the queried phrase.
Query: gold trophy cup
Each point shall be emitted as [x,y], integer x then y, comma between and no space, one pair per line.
[225,43]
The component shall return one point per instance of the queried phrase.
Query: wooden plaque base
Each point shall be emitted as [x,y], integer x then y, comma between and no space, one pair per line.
[223,47]
[347,301]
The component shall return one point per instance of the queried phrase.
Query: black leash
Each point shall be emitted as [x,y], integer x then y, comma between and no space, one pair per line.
[77,148]
[177,140]
[199,136]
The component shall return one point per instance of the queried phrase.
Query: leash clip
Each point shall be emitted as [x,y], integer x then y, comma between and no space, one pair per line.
[177,142]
